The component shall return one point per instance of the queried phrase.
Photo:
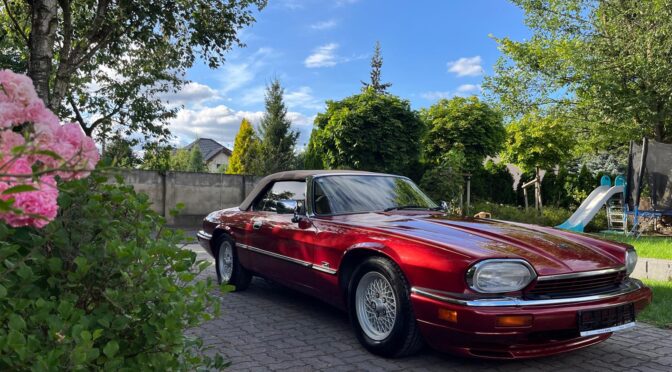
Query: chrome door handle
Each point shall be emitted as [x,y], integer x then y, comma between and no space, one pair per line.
[256,225]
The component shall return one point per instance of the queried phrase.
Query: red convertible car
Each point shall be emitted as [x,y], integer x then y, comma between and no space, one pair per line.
[407,273]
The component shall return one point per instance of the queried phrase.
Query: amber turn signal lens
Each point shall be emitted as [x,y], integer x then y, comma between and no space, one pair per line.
[448,315]
[514,320]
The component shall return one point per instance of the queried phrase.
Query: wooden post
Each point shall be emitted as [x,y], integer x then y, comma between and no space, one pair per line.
[538,188]
[469,195]
[525,197]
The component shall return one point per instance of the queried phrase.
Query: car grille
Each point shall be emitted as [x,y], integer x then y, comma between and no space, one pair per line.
[574,287]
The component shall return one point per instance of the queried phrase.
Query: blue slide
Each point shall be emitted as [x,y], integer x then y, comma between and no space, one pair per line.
[589,208]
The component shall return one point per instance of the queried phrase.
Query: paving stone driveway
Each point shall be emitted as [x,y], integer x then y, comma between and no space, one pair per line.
[270,328]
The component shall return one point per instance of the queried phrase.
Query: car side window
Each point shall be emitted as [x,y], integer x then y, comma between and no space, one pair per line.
[280,191]
[322,205]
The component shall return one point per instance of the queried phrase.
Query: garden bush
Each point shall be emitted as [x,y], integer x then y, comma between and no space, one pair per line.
[103,286]
[550,216]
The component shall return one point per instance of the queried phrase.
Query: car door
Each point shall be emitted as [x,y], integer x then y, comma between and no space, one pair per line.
[283,248]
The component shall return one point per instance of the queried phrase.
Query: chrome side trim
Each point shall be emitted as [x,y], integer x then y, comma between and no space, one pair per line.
[275,255]
[630,286]
[287,258]
[324,269]
[203,235]
[581,274]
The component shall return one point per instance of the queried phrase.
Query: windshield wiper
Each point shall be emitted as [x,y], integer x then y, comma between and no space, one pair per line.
[400,207]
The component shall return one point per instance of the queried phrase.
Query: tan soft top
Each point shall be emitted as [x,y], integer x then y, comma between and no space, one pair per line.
[297,175]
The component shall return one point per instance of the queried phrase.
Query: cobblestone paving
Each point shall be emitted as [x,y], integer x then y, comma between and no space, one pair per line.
[270,328]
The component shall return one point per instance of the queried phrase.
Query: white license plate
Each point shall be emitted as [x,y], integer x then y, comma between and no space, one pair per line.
[609,329]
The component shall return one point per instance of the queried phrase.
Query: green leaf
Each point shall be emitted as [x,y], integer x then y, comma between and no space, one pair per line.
[3,291]
[18,188]
[16,322]
[111,349]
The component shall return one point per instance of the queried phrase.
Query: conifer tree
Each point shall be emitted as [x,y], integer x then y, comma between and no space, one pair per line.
[376,66]
[245,140]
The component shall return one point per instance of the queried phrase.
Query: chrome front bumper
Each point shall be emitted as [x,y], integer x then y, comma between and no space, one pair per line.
[629,286]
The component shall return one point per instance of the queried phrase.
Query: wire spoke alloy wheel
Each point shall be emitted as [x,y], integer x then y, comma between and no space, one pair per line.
[376,305]
[225,261]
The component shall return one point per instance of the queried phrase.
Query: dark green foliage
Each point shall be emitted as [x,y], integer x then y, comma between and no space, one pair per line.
[550,216]
[367,131]
[445,181]
[466,121]
[196,162]
[104,286]
[119,152]
[376,66]
[493,183]
[554,189]
[275,153]
[157,157]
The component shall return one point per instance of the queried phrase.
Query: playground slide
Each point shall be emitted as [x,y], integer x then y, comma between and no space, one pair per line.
[590,207]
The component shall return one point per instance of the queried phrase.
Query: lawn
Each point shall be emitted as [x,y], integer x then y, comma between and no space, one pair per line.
[646,246]
[659,313]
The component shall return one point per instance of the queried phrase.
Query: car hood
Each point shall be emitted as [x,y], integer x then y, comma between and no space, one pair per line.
[550,251]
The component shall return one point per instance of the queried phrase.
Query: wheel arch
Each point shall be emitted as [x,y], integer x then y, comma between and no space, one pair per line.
[356,254]
[220,230]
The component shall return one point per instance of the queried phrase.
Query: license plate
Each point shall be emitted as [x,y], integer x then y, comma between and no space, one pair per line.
[610,319]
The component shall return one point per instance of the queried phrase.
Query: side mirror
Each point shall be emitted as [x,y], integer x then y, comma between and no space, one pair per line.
[444,205]
[299,211]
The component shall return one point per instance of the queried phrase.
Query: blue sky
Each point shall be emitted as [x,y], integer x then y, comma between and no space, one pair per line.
[321,49]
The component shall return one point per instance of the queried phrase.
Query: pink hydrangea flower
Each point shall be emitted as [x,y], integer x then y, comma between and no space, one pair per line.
[77,154]
[39,206]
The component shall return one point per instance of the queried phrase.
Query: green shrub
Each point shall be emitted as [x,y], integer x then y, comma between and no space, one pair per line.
[550,216]
[104,286]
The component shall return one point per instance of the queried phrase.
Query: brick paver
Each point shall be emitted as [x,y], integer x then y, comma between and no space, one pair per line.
[271,328]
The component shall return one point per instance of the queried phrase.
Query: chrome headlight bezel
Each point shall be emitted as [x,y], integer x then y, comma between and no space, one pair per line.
[630,260]
[475,272]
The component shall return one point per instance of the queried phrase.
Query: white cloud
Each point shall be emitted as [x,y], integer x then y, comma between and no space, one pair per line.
[191,93]
[469,88]
[303,98]
[466,66]
[221,123]
[461,91]
[324,25]
[436,95]
[324,56]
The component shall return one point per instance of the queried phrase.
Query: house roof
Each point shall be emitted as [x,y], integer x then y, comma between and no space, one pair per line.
[209,148]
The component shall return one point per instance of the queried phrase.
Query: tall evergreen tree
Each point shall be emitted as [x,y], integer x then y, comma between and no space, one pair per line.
[245,140]
[277,138]
[376,66]
[196,162]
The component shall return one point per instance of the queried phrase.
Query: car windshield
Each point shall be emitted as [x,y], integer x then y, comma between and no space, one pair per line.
[357,193]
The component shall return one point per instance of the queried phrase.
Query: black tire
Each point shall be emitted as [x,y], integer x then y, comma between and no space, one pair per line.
[404,338]
[240,277]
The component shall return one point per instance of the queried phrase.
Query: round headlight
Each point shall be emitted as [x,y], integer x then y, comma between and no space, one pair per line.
[630,261]
[500,275]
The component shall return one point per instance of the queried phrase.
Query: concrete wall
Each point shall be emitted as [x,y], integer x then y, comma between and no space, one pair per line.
[201,193]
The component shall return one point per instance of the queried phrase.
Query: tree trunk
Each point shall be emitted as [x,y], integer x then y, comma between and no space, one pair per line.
[538,189]
[44,22]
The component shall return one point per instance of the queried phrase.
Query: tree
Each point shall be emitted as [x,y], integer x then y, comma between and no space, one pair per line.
[245,139]
[444,181]
[368,131]
[157,157]
[106,64]
[196,162]
[276,152]
[119,152]
[494,183]
[466,121]
[179,160]
[535,142]
[602,66]
[376,67]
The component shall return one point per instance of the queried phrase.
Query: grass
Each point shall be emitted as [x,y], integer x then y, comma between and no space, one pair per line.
[659,312]
[646,246]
